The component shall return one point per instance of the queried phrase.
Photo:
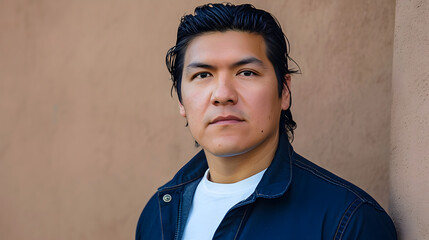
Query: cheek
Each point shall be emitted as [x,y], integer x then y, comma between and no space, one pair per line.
[266,109]
[264,102]
[194,103]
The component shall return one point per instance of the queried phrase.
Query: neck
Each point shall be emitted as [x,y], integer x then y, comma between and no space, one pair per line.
[234,168]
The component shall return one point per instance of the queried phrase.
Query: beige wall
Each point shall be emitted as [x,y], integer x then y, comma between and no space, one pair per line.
[341,102]
[88,130]
[409,195]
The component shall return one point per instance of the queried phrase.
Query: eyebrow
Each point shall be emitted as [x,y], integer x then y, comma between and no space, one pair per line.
[248,60]
[242,62]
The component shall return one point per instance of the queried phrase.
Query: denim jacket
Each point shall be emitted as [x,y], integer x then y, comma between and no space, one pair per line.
[295,199]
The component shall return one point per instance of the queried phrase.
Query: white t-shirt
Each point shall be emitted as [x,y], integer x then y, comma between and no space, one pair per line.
[212,201]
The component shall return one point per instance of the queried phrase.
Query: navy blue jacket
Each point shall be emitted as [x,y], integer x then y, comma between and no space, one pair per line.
[294,200]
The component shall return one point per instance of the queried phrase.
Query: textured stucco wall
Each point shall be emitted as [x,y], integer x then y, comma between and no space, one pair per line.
[86,116]
[88,129]
[410,121]
[341,102]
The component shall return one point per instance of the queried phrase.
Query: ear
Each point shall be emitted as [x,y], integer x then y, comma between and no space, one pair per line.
[286,93]
[181,109]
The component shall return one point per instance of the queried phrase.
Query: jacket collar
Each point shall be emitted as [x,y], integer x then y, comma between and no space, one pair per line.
[274,183]
[192,171]
[277,178]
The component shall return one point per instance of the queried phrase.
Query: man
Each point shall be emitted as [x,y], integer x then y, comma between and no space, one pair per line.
[230,70]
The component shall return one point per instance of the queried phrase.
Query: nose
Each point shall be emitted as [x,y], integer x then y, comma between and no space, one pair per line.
[224,92]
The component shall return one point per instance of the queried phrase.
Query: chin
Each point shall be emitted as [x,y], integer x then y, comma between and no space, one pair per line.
[228,150]
[228,154]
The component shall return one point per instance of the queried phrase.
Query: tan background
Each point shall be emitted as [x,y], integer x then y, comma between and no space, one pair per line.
[88,129]
[409,167]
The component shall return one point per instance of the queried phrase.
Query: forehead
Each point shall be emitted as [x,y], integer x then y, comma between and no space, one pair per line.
[225,47]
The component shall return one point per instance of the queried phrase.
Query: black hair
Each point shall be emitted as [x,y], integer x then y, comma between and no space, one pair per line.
[221,17]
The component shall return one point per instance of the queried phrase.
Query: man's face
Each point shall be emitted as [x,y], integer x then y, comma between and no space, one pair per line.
[229,93]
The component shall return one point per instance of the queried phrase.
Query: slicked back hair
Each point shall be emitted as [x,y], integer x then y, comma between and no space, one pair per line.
[222,17]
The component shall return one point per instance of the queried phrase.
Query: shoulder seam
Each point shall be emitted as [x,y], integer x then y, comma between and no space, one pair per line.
[327,178]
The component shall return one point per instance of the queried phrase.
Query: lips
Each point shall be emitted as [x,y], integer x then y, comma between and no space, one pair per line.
[226,120]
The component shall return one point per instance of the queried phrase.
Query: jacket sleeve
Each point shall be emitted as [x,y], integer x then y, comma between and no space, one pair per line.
[149,224]
[369,223]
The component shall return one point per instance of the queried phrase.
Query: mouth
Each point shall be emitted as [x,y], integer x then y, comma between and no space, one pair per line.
[229,119]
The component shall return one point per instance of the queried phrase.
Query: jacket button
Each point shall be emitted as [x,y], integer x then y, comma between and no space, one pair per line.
[166,198]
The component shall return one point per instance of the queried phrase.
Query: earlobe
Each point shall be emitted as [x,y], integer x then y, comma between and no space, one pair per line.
[286,97]
[182,109]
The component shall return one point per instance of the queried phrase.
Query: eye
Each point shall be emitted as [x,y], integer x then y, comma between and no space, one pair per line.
[202,75]
[247,73]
